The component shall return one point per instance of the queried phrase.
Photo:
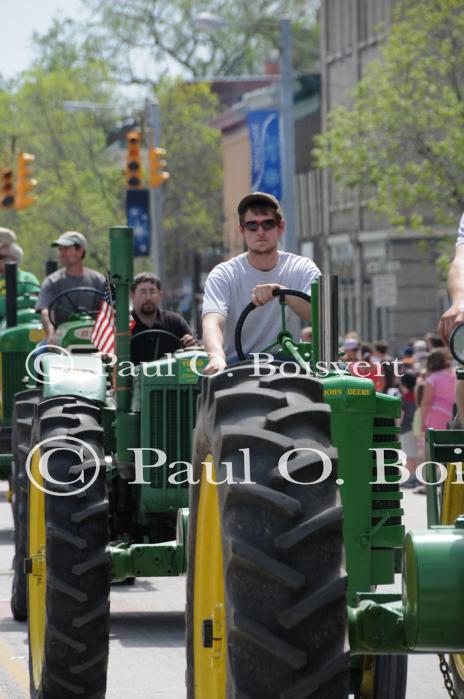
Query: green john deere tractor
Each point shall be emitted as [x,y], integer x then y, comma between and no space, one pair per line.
[19,344]
[282,571]
[20,330]
[105,450]
[296,521]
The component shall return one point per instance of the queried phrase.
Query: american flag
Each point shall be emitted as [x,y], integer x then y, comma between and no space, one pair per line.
[103,330]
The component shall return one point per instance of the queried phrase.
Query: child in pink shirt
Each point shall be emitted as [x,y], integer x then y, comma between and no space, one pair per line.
[440,384]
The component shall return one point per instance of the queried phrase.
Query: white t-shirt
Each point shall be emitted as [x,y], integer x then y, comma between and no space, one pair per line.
[460,240]
[228,290]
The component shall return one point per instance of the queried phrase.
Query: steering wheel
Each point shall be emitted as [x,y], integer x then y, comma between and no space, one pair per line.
[175,342]
[281,293]
[79,309]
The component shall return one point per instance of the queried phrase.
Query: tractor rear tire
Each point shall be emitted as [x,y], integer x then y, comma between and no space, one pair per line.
[457,671]
[281,628]
[451,505]
[383,677]
[390,676]
[69,595]
[23,413]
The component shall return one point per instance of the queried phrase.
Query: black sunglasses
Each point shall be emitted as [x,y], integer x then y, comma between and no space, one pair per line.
[267,225]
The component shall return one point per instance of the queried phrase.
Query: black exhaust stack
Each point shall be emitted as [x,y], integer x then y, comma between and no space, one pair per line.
[50,267]
[11,301]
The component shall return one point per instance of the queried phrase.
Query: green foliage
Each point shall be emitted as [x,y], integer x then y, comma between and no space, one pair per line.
[79,188]
[402,140]
[63,46]
[168,34]
[193,195]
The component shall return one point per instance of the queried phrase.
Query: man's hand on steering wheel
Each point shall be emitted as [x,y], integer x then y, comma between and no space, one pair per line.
[263,293]
[450,319]
[276,290]
[188,340]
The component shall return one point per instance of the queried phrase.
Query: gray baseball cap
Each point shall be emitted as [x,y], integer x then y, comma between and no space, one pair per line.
[15,253]
[7,236]
[259,198]
[70,238]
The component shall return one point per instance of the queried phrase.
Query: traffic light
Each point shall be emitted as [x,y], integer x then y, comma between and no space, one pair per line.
[7,199]
[24,181]
[158,176]
[133,161]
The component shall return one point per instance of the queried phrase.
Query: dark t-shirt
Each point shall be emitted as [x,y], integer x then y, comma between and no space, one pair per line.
[409,408]
[153,346]
[59,281]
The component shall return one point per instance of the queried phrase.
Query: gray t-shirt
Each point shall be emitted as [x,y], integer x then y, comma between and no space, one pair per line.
[59,281]
[228,290]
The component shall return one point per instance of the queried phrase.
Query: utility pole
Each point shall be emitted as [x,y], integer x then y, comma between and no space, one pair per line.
[155,196]
[287,134]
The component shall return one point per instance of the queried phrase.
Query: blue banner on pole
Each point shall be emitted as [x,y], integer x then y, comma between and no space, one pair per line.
[138,218]
[266,174]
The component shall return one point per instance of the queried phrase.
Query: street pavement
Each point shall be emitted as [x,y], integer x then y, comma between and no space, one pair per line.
[147,655]
[147,650]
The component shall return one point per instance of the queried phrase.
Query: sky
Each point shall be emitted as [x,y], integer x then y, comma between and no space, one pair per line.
[19,19]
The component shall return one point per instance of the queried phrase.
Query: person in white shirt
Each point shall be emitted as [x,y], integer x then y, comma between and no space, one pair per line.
[455,314]
[252,276]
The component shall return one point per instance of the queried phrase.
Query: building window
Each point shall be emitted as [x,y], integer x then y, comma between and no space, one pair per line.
[380,15]
[338,25]
[330,25]
[348,43]
[368,312]
[347,306]
[308,188]
[363,28]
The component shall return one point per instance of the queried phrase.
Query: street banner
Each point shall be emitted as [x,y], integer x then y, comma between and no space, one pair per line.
[138,218]
[263,128]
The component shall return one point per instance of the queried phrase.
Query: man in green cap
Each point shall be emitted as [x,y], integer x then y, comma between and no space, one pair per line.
[72,247]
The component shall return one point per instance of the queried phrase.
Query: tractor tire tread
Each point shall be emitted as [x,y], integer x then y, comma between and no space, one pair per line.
[78,562]
[22,417]
[282,542]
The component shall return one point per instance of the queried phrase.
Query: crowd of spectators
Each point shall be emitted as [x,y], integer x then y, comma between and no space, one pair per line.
[424,379]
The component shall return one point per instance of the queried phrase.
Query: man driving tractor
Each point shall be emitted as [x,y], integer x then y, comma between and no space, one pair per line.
[253,276]
[72,247]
